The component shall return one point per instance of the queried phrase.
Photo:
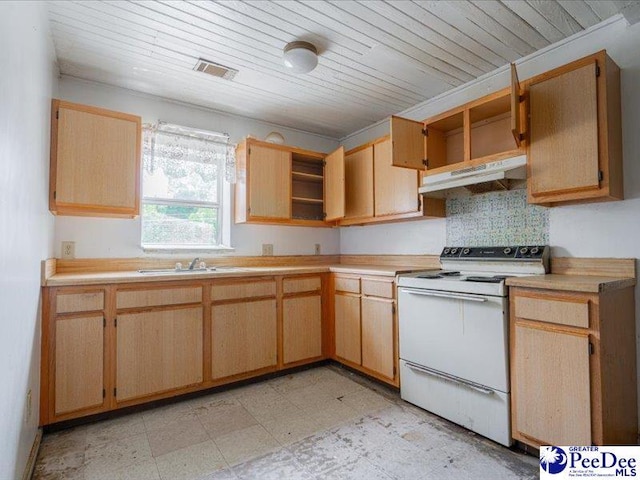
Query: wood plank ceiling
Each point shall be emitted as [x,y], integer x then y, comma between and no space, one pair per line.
[376,57]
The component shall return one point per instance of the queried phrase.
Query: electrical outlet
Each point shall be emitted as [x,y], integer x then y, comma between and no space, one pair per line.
[267,249]
[68,250]
[27,417]
[317,249]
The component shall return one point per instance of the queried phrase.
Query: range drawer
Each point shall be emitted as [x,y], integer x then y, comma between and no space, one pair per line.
[571,311]
[79,302]
[158,297]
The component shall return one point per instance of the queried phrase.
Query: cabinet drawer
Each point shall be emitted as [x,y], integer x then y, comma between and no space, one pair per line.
[347,284]
[157,297]
[378,287]
[79,302]
[296,285]
[561,310]
[243,290]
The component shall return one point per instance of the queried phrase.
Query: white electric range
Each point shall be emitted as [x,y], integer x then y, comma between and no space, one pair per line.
[454,335]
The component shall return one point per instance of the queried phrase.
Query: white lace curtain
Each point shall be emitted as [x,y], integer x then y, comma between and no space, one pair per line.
[183,143]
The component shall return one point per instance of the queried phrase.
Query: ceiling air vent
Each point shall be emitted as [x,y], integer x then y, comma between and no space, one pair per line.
[215,69]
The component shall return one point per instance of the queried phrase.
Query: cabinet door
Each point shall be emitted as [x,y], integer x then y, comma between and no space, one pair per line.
[516,111]
[269,182]
[407,143]
[563,151]
[95,165]
[347,327]
[158,351]
[79,350]
[378,336]
[395,189]
[243,337]
[334,187]
[551,386]
[302,328]
[358,174]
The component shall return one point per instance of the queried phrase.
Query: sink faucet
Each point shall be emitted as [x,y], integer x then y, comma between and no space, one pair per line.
[193,263]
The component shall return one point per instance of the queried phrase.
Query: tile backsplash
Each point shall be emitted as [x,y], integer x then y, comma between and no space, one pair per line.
[496,218]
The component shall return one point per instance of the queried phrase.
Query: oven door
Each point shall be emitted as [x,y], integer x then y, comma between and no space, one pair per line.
[459,334]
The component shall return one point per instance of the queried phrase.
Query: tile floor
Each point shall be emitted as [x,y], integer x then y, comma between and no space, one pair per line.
[324,423]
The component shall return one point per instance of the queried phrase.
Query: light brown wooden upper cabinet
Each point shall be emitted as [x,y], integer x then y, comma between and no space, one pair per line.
[482,131]
[407,143]
[358,174]
[377,191]
[575,148]
[287,185]
[95,161]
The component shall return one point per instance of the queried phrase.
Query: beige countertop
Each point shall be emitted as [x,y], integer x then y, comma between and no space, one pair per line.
[99,278]
[574,283]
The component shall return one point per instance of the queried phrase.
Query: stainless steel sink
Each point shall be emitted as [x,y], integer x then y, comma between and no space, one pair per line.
[172,271]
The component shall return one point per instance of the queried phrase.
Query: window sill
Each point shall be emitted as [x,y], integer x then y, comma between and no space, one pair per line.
[178,249]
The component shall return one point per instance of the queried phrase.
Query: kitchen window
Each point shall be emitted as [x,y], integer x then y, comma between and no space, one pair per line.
[185,188]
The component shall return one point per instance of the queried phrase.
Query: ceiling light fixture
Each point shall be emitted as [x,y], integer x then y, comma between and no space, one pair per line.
[300,57]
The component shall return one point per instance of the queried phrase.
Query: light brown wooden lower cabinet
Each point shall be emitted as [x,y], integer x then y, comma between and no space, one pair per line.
[158,351]
[301,328]
[573,367]
[79,379]
[106,347]
[552,372]
[347,327]
[378,336]
[243,337]
[365,325]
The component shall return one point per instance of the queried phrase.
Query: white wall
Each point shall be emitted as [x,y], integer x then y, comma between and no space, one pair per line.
[99,237]
[27,83]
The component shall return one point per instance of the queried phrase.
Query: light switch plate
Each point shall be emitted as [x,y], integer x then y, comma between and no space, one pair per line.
[68,250]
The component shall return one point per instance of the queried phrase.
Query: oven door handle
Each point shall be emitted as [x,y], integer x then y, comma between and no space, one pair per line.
[450,378]
[456,296]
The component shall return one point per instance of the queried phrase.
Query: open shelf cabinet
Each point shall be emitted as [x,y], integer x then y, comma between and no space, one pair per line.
[288,185]
[478,132]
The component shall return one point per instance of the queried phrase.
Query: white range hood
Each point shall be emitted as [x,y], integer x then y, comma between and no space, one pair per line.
[439,184]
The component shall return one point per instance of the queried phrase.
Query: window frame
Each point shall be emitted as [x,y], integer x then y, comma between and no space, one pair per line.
[222,207]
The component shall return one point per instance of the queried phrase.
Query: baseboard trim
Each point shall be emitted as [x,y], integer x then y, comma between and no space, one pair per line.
[33,455]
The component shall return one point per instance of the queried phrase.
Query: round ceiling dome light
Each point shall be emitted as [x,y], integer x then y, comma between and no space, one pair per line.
[300,57]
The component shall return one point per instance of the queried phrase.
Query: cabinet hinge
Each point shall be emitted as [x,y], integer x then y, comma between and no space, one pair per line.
[590,348]
[249,210]
[393,308]
[115,322]
[249,151]
[115,392]
[324,163]
[104,322]
[597,70]
[57,114]
[425,132]
[425,162]
[104,393]
[600,175]
[54,194]
[324,215]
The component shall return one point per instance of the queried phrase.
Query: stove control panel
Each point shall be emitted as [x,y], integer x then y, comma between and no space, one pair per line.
[521,252]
